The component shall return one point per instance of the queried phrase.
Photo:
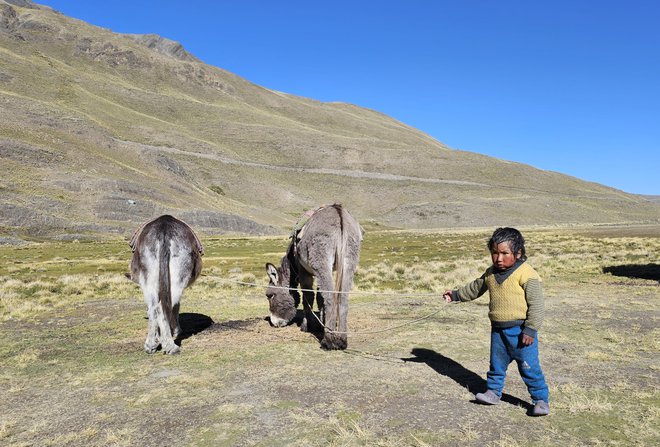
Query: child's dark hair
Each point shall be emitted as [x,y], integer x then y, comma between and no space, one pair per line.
[511,235]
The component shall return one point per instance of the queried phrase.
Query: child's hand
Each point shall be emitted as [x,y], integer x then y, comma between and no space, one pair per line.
[527,340]
[447,296]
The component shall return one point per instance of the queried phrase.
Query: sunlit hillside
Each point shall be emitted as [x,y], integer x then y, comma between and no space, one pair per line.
[100,131]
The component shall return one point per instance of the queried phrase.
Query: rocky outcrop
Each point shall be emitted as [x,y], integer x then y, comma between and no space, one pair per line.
[164,46]
[8,18]
[22,3]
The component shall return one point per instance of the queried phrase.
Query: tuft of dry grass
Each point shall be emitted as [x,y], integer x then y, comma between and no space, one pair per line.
[25,299]
[576,399]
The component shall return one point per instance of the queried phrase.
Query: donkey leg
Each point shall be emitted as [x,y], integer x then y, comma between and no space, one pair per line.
[337,338]
[166,340]
[148,284]
[342,337]
[320,303]
[176,293]
[331,340]
[182,273]
[306,283]
[347,284]
[151,342]
[177,327]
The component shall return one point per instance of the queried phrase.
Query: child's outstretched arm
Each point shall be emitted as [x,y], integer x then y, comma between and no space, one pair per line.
[468,292]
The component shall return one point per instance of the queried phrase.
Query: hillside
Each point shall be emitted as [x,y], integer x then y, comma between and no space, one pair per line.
[100,131]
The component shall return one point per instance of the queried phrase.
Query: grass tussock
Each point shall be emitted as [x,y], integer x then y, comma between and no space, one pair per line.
[576,399]
[25,299]
[420,276]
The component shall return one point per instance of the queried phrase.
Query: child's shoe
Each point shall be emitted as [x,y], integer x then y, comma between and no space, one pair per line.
[541,408]
[488,398]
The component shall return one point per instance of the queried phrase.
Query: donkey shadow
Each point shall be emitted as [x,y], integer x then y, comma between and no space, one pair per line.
[639,271]
[314,327]
[459,374]
[193,323]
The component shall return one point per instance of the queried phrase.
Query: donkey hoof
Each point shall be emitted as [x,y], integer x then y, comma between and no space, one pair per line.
[150,349]
[331,343]
[171,350]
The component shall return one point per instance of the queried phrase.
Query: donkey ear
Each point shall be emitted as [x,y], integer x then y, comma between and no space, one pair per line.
[272,273]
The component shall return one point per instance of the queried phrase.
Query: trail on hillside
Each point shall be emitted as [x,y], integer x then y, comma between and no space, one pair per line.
[340,172]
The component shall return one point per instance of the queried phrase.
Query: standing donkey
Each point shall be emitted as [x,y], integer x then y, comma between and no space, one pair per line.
[329,240]
[167,258]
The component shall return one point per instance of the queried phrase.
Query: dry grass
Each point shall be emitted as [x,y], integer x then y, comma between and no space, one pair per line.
[75,374]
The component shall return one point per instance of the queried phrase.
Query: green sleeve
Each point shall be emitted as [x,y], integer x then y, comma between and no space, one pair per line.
[535,306]
[471,291]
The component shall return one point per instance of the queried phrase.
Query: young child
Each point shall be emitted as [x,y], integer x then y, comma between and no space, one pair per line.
[516,314]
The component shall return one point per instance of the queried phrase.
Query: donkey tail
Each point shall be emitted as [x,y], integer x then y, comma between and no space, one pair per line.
[340,265]
[164,287]
[340,257]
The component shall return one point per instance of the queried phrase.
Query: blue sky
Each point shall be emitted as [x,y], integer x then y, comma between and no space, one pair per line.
[571,86]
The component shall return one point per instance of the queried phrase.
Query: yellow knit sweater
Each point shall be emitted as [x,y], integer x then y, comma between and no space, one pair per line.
[518,298]
[507,300]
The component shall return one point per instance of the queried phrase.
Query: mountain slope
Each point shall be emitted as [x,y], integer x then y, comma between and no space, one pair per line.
[100,131]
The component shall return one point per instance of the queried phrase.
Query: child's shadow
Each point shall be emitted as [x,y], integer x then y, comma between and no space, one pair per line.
[459,374]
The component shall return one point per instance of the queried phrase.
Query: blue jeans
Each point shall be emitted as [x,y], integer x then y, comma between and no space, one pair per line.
[506,346]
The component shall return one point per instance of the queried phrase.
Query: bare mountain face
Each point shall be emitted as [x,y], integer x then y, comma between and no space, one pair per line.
[101,131]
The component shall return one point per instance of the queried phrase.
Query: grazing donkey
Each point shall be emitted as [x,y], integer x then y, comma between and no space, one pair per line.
[329,240]
[166,259]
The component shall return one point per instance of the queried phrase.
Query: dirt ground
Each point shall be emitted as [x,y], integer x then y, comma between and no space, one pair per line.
[77,376]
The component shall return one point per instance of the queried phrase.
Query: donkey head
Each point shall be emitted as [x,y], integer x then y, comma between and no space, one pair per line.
[281,299]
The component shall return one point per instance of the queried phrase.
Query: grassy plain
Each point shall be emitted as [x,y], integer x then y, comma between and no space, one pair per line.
[74,373]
